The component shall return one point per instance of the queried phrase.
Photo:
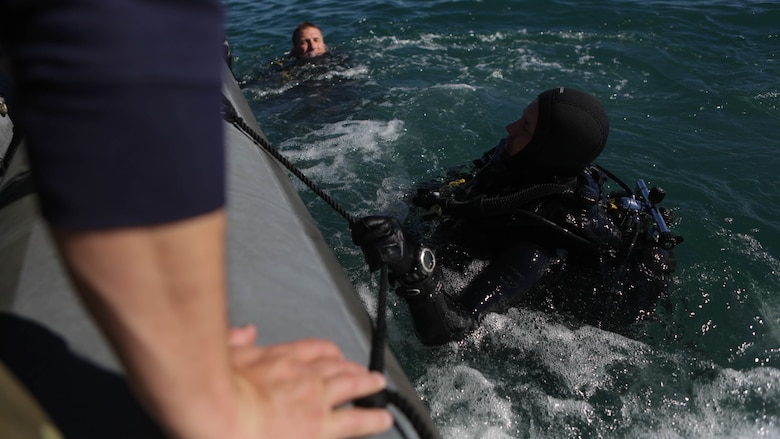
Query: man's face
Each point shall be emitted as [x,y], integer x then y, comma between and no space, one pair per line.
[522,130]
[309,43]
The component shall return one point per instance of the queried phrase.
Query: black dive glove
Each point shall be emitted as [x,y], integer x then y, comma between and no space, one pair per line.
[383,240]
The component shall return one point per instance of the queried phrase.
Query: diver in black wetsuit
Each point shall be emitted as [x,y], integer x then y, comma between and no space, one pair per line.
[535,209]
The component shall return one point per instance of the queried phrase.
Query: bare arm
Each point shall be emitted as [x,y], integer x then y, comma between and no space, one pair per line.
[158,293]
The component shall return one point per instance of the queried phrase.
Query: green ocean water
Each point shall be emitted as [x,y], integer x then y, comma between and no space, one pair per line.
[693,93]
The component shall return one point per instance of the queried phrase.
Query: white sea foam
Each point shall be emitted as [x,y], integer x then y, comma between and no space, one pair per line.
[340,155]
[330,145]
[456,388]
[392,42]
[466,87]
[585,380]
[253,92]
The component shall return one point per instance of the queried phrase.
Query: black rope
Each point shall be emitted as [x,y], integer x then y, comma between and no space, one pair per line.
[377,362]
[379,333]
[232,116]
[411,413]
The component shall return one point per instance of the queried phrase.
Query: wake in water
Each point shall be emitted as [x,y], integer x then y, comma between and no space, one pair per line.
[538,374]
[529,374]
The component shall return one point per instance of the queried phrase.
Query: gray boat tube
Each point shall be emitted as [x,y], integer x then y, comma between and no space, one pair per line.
[282,277]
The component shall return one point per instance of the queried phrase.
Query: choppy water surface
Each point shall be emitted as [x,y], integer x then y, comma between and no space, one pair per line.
[691,88]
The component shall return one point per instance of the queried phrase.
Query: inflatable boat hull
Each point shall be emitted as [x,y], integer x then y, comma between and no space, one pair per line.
[283,278]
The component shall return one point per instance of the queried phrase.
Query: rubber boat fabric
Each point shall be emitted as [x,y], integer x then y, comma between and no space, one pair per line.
[282,276]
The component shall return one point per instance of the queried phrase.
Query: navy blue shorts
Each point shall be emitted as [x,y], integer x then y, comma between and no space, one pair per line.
[120,102]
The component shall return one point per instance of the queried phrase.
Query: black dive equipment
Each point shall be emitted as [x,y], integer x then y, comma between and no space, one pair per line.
[632,208]
[645,200]
[423,268]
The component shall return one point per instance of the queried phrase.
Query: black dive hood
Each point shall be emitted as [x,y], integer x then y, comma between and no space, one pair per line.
[571,132]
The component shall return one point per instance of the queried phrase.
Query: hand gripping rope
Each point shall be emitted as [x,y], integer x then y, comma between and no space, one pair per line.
[377,359]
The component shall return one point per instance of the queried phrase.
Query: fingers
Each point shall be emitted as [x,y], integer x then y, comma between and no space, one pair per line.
[307,349]
[297,352]
[352,421]
[380,226]
[341,386]
[372,227]
[242,336]
[276,363]
[305,387]
[359,422]
[347,385]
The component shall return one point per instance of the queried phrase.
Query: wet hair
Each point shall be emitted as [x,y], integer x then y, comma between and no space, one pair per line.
[303,25]
[571,132]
